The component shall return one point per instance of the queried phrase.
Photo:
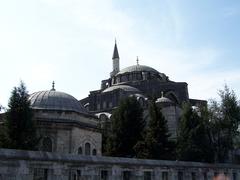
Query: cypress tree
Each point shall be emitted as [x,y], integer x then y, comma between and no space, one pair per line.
[193,143]
[20,127]
[127,128]
[156,144]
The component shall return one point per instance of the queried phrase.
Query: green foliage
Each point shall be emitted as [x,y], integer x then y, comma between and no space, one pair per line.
[127,128]
[224,122]
[156,144]
[193,143]
[20,129]
[106,132]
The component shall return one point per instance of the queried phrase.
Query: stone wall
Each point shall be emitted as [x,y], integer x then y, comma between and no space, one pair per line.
[29,165]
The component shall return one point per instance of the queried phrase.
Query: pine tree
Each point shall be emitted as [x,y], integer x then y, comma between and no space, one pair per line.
[20,127]
[156,144]
[127,128]
[193,143]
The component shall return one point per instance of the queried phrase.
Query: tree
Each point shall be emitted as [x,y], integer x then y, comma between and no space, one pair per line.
[20,127]
[193,143]
[156,144]
[224,122]
[127,128]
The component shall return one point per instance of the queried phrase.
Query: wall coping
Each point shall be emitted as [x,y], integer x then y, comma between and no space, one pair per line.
[11,154]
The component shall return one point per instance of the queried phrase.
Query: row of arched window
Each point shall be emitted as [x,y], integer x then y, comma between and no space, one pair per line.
[87,150]
[47,146]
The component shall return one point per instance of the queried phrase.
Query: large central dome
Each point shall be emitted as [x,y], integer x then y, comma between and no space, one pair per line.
[55,100]
[138,68]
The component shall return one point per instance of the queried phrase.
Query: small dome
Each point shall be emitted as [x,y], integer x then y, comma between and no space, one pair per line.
[55,100]
[138,68]
[163,100]
[106,114]
[123,87]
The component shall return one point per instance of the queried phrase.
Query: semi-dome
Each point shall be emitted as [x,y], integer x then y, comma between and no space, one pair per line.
[123,87]
[55,100]
[138,68]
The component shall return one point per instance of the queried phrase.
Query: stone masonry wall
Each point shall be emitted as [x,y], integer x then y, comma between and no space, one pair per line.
[29,165]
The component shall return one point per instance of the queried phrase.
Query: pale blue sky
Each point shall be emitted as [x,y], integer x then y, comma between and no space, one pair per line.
[71,42]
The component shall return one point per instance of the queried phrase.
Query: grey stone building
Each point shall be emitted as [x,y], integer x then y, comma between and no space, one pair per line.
[64,125]
[144,83]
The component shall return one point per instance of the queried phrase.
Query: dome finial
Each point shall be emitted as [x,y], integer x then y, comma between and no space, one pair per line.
[53,86]
[162,93]
[137,61]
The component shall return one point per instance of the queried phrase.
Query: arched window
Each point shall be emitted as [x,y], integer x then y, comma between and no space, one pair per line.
[47,144]
[87,149]
[80,150]
[94,152]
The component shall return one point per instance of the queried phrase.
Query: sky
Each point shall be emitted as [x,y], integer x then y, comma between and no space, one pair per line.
[71,42]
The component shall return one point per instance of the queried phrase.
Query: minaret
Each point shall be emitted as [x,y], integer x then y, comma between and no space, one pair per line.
[115,60]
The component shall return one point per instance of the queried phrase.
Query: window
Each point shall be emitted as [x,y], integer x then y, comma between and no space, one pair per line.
[87,149]
[180,175]
[193,176]
[40,174]
[104,175]
[104,104]
[110,104]
[47,144]
[126,175]
[164,175]
[94,152]
[205,176]
[98,106]
[79,174]
[147,175]
[234,176]
[80,150]
[75,175]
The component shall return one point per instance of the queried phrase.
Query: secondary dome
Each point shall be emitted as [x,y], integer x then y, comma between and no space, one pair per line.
[123,87]
[138,68]
[55,100]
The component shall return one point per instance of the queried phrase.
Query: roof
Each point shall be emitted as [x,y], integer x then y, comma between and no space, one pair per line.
[138,68]
[55,100]
[123,87]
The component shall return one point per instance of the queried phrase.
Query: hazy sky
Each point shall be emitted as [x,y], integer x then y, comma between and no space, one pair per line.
[71,42]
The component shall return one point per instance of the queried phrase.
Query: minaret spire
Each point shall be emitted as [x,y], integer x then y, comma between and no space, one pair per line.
[115,51]
[115,60]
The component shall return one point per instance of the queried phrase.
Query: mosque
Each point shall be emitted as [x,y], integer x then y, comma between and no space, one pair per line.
[143,82]
[68,125]
[71,143]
